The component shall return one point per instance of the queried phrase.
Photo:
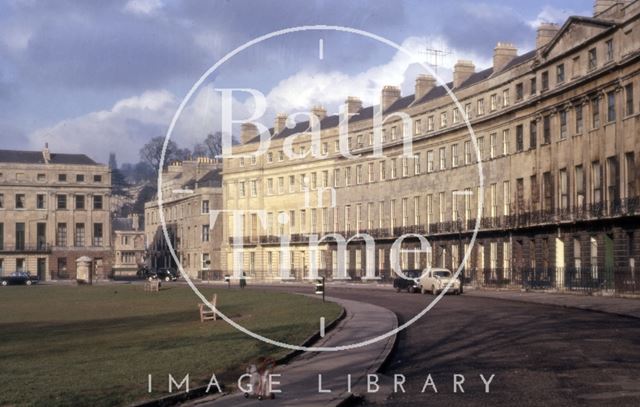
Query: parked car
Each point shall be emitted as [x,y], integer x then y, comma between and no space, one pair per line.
[437,279]
[411,283]
[19,277]
[146,273]
[167,274]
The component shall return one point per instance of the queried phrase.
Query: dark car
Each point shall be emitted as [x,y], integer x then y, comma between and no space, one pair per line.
[17,278]
[410,283]
[167,274]
[146,273]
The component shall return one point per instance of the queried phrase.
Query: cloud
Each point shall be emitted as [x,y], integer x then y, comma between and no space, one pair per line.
[143,7]
[308,88]
[550,14]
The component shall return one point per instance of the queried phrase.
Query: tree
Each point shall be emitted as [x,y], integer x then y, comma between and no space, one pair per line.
[113,163]
[119,184]
[213,144]
[151,153]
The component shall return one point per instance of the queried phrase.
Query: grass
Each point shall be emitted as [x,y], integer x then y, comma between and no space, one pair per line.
[95,345]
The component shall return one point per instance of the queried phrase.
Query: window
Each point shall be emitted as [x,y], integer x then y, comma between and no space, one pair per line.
[97,234]
[241,189]
[560,73]
[62,201]
[492,145]
[443,120]
[506,198]
[467,111]
[535,191]
[254,188]
[394,133]
[61,235]
[325,179]
[456,115]
[97,202]
[1,242]
[359,174]
[506,148]
[609,45]
[443,158]
[314,179]
[480,148]
[628,94]
[269,157]
[39,177]
[630,168]
[62,177]
[593,59]
[21,201]
[467,153]
[563,125]
[611,106]
[325,148]
[519,138]
[579,119]
[393,168]
[254,159]
[547,190]
[281,185]
[595,113]
[270,186]
[80,202]
[575,67]
[241,162]
[579,182]
[206,260]
[563,189]
[480,107]
[79,235]
[519,91]
[596,176]
[205,206]
[454,155]
[383,171]
[40,201]
[405,166]
[545,80]
[430,125]
[546,129]
[533,134]
[493,102]
[336,177]
[205,233]
[97,178]
[417,159]
[280,155]
[417,127]
[493,194]
[79,177]
[505,98]
[534,86]
[347,176]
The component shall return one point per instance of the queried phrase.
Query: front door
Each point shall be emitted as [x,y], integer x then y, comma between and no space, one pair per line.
[42,268]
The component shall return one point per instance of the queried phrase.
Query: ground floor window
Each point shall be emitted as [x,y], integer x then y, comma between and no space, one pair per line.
[20,263]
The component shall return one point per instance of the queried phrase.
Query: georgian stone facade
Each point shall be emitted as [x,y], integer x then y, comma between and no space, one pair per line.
[557,131]
[54,209]
[191,189]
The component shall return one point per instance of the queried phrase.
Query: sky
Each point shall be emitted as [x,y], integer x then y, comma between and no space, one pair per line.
[96,77]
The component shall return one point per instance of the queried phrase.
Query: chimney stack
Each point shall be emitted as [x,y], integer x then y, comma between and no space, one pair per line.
[354,104]
[46,155]
[503,53]
[319,111]
[462,70]
[546,32]
[135,221]
[280,123]
[424,84]
[248,131]
[389,95]
[600,6]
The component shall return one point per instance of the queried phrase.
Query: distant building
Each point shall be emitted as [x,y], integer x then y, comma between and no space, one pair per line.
[54,209]
[190,190]
[128,245]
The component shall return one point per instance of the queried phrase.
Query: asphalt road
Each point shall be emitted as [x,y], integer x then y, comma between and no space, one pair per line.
[540,355]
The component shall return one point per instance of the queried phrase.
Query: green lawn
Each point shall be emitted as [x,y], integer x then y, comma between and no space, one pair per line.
[95,345]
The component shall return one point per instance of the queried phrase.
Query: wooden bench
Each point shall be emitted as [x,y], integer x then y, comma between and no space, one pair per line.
[206,313]
[153,285]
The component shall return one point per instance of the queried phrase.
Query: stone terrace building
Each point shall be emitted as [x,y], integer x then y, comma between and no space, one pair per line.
[190,190]
[54,209]
[129,246]
[558,134]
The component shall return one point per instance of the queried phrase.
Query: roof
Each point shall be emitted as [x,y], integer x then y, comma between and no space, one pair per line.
[575,19]
[403,102]
[35,157]
[122,224]
[211,179]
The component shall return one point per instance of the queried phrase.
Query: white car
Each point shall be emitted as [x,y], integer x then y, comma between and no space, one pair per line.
[436,280]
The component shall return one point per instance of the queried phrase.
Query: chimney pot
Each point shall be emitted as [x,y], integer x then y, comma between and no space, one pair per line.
[503,53]
[462,70]
[424,84]
[546,32]
[388,96]
[248,131]
[354,104]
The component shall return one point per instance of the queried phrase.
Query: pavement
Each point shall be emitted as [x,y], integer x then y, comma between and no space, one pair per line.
[299,380]
[629,307]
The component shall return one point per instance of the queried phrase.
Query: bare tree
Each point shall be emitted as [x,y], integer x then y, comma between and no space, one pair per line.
[151,153]
[213,144]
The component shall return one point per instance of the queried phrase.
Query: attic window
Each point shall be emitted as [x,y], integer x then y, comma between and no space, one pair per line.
[62,177]
[97,178]
[593,59]
[609,50]
[545,80]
